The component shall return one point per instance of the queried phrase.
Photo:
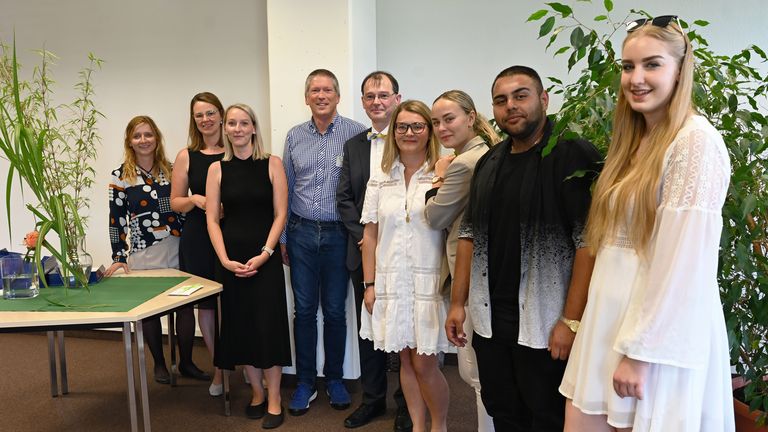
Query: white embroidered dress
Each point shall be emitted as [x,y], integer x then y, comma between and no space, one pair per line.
[409,310]
[664,309]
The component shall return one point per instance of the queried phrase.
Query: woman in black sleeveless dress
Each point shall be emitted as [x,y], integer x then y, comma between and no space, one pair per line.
[196,255]
[252,187]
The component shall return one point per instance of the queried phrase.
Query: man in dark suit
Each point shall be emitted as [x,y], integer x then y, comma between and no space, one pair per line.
[362,157]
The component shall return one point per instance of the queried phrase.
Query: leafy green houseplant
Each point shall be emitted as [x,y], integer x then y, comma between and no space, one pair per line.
[730,91]
[50,149]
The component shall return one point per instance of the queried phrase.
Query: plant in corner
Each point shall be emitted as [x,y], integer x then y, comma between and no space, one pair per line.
[50,149]
[730,91]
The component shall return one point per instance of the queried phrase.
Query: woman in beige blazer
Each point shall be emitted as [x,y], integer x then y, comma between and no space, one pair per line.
[460,127]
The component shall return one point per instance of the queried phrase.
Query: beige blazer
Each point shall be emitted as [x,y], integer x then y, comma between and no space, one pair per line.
[446,209]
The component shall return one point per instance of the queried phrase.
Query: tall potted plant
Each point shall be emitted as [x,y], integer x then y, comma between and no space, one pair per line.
[51,150]
[730,92]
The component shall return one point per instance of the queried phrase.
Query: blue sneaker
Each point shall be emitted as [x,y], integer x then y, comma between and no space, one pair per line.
[338,394]
[301,398]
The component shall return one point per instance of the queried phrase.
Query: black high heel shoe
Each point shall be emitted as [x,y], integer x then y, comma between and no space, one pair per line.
[192,371]
[161,374]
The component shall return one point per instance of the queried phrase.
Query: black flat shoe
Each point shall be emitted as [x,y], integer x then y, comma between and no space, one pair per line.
[403,421]
[363,415]
[161,375]
[192,371]
[272,421]
[256,411]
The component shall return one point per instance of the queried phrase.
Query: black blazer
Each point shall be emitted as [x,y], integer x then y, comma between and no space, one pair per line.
[350,193]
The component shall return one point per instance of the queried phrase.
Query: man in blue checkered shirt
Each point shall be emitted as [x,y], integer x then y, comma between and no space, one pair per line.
[314,242]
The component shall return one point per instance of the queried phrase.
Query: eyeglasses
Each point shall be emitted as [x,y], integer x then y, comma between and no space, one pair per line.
[370,97]
[202,115]
[416,128]
[659,21]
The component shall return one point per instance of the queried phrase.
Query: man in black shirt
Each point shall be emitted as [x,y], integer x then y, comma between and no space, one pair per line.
[521,261]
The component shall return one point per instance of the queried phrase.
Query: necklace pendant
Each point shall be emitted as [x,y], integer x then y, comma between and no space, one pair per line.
[407,218]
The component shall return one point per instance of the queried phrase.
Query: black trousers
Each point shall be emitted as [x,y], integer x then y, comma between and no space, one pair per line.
[373,363]
[519,385]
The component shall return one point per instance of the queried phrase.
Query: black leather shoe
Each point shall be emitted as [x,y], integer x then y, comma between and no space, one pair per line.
[403,421]
[161,375]
[192,371]
[363,415]
[256,411]
[272,421]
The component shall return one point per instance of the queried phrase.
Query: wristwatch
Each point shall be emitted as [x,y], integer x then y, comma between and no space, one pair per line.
[268,250]
[368,284]
[572,324]
[437,179]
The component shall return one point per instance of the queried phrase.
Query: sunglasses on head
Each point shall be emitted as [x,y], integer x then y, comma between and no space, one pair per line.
[659,21]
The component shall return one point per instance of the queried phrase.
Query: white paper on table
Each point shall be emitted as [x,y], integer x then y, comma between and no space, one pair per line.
[185,290]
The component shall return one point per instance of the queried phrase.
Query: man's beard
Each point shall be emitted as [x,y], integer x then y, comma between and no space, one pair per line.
[529,129]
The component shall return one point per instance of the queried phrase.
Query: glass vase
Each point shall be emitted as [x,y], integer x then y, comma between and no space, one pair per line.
[80,260]
[19,276]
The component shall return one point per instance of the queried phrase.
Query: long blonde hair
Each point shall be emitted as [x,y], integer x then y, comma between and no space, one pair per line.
[391,152]
[258,143]
[481,126]
[624,188]
[161,163]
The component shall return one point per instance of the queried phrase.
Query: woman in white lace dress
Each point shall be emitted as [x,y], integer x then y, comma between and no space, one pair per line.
[403,308]
[652,351]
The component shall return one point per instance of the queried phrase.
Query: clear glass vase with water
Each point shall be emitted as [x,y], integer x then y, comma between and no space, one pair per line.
[19,276]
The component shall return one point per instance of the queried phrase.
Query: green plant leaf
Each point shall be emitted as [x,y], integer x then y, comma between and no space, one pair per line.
[555,79]
[71,207]
[561,8]
[701,23]
[8,186]
[44,228]
[748,205]
[552,39]
[601,18]
[550,146]
[759,51]
[733,103]
[596,56]
[608,5]
[539,14]
[578,174]
[562,50]
[546,27]
[577,37]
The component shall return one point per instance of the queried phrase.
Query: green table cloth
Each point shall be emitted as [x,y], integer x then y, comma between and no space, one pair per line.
[115,294]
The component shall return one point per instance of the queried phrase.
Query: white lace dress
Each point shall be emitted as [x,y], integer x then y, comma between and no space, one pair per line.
[409,310]
[664,309]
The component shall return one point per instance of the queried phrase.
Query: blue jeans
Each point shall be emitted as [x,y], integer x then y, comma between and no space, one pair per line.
[317,252]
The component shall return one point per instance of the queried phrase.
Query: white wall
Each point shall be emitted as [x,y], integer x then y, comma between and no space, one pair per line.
[157,54]
[305,35]
[435,45]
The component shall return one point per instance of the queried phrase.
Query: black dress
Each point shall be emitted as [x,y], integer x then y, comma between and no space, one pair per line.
[196,254]
[254,324]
